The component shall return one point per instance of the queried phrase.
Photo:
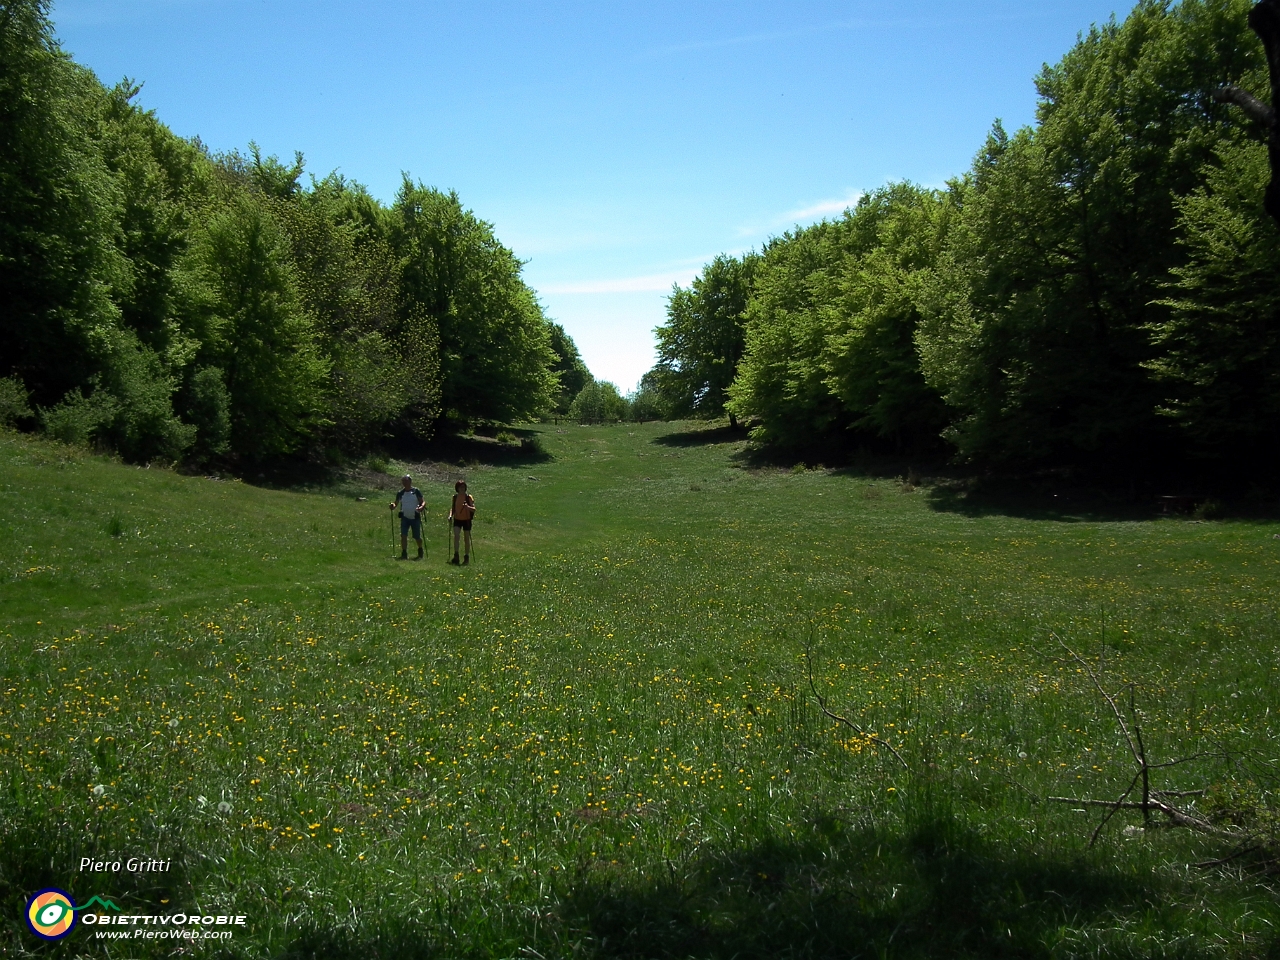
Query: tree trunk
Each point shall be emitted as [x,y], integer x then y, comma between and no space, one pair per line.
[733,421]
[1264,18]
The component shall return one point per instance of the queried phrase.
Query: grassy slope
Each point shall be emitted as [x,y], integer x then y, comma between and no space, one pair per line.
[598,738]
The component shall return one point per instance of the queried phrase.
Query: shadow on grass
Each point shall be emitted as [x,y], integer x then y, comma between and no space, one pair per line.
[1063,502]
[314,472]
[488,451]
[43,848]
[703,437]
[395,938]
[939,890]
[1040,502]
[283,474]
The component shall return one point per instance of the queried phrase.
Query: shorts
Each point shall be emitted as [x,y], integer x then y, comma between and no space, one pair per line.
[415,525]
[464,524]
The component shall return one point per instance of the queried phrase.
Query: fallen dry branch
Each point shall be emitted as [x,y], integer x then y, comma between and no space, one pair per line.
[1177,817]
[1153,801]
[822,705]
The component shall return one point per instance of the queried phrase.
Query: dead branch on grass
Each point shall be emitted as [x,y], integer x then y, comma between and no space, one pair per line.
[1153,801]
[822,705]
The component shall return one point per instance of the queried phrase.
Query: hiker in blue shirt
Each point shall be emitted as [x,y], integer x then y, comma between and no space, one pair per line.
[409,503]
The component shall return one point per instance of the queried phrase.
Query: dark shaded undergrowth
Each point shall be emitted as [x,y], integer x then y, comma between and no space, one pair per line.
[935,889]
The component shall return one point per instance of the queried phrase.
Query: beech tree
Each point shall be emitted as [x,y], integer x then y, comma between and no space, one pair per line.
[255,329]
[701,344]
[830,352]
[569,367]
[1038,327]
[496,361]
[1264,19]
[1220,345]
[598,402]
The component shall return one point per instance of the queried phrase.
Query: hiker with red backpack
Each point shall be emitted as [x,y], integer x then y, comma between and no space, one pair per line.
[461,510]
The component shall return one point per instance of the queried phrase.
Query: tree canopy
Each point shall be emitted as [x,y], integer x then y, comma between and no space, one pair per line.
[169,303]
[599,402]
[701,344]
[1095,289]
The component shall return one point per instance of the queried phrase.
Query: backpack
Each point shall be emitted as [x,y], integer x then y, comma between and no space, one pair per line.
[466,509]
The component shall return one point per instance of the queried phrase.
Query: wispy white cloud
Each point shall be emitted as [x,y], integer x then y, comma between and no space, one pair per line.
[837,26]
[647,283]
[821,208]
[803,214]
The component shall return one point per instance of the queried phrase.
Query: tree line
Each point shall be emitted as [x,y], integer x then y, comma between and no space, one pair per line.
[170,303]
[1102,287]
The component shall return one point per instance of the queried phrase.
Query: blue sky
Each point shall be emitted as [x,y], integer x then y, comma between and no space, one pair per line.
[616,147]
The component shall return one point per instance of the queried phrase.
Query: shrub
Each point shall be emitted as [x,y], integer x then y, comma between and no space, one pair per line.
[77,419]
[1210,509]
[598,402]
[13,402]
[207,406]
[142,427]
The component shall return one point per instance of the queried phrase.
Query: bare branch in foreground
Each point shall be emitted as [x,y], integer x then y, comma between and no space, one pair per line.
[822,705]
[1153,801]
[1178,817]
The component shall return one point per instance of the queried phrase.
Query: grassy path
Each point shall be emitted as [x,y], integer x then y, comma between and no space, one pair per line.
[598,740]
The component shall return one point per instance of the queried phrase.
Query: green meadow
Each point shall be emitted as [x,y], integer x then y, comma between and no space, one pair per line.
[600,738]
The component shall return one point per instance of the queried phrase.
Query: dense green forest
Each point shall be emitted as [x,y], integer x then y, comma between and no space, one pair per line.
[1097,289]
[168,303]
[1101,288]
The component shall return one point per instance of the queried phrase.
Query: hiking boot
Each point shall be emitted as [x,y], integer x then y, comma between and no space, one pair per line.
[420,553]
[403,555]
[466,560]
[454,561]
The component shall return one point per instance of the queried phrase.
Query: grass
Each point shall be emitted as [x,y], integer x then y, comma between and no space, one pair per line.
[598,740]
